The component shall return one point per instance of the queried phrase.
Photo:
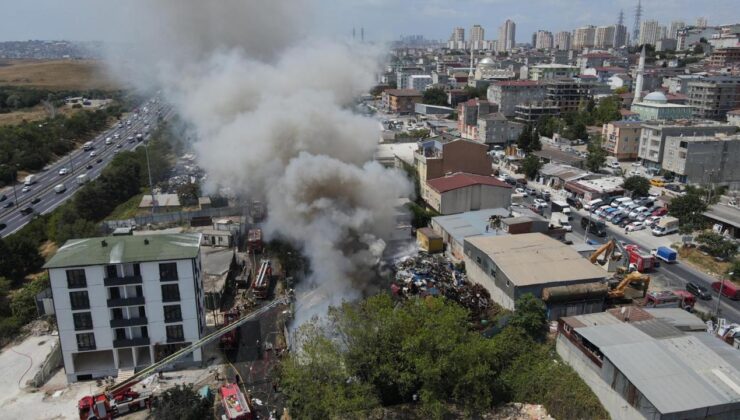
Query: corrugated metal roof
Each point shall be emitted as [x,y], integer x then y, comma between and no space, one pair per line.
[657,329]
[471,223]
[679,318]
[123,249]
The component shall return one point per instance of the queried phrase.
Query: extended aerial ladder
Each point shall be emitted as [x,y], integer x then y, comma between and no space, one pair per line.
[104,405]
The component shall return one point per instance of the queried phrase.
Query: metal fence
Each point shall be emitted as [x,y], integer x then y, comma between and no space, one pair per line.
[178,217]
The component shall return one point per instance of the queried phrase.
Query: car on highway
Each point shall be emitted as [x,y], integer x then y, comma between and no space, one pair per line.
[108,141]
[131,139]
[2,226]
[635,226]
[93,153]
[99,160]
[35,200]
[63,171]
[699,291]
[3,197]
[27,210]
[116,136]
[8,205]
[88,167]
[540,203]
[26,189]
[119,145]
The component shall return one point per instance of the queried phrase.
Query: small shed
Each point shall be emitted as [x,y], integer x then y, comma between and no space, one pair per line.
[429,240]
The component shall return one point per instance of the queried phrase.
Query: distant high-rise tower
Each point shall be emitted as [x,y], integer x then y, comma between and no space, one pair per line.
[353,33]
[639,81]
[675,26]
[506,36]
[362,34]
[562,40]
[638,16]
[620,20]
[650,32]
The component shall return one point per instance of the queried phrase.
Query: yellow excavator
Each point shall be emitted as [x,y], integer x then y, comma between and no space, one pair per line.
[613,250]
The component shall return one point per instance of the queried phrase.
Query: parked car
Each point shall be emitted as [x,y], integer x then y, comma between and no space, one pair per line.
[520,190]
[673,187]
[625,205]
[625,221]
[643,216]
[657,182]
[699,291]
[652,221]
[636,212]
[619,218]
[660,212]
[540,203]
[606,213]
[614,214]
[601,210]
[530,190]
[635,226]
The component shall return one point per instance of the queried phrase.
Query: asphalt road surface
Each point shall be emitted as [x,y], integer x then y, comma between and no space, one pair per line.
[77,162]
[676,275]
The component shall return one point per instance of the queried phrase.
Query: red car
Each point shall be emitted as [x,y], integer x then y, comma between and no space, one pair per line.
[660,212]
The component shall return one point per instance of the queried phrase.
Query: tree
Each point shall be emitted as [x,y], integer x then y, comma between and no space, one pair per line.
[638,185]
[435,96]
[716,245]
[688,209]
[621,90]
[607,110]
[523,142]
[182,403]
[734,268]
[479,92]
[531,316]
[531,166]
[596,155]
[21,259]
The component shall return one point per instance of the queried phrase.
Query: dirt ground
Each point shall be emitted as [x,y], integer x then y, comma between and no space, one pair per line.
[56,74]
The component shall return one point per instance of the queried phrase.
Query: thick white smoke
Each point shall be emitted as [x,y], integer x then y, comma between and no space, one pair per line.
[269,107]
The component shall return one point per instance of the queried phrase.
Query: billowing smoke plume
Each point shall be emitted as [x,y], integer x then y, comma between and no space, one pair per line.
[269,107]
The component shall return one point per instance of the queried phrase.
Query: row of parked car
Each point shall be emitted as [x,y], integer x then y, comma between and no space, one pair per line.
[631,214]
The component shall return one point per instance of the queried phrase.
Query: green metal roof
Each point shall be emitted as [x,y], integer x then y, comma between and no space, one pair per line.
[124,249]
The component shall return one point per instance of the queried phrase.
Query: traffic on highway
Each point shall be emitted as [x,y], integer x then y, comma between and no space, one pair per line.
[42,192]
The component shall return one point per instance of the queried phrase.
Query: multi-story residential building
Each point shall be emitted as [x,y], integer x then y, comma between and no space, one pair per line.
[543,40]
[723,57]
[468,114]
[655,106]
[506,36]
[604,36]
[568,94]
[595,59]
[649,32]
[419,81]
[690,35]
[434,159]
[711,159]
[562,40]
[620,36]
[477,37]
[401,101]
[402,76]
[125,302]
[621,139]
[680,83]
[584,37]
[508,94]
[713,97]
[458,34]
[552,71]
[496,130]
[676,25]
[531,113]
[653,135]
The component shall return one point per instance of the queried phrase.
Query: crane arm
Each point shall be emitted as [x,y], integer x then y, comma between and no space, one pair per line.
[632,277]
[603,248]
[187,350]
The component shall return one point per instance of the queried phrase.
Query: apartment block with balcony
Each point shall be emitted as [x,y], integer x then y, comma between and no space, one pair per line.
[713,159]
[713,97]
[621,139]
[125,302]
[653,135]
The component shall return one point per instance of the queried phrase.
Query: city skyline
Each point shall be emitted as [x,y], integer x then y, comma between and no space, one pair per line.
[80,20]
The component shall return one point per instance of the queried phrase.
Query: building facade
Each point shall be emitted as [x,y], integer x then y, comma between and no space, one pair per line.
[562,41]
[584,37]
[655,106]
[461,192]
[400,101]
[704,160]
[125,302]
[713,97]
[508,94]
[531,113]
[567,94]
[552,71]
[468,114]
[653,135]
[543,40]
[506,36]
[496,130]
[604,36]
[621,139]
[649,32]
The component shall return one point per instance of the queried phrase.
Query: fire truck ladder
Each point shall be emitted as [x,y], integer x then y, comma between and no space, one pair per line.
[203,341]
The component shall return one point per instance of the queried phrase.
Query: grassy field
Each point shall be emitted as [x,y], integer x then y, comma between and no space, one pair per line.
[56,74]
[127,209]
[32,114]
[703,262]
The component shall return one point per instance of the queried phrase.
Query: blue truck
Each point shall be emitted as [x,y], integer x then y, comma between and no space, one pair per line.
[666,254]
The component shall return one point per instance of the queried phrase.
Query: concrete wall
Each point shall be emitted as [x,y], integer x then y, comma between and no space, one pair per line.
[50,365]
[703,162]
[474,197]
[465,156]
[502,296]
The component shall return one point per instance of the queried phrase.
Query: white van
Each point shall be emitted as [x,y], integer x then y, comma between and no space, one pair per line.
[593,204]
[60,188]
[87,146]
[619,200]
[30,180]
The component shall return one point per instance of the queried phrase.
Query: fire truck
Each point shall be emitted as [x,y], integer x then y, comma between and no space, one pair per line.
[236,405]
[261,286]
[230,340]
[640,260]
[670,299]
[122,399]
[254,241]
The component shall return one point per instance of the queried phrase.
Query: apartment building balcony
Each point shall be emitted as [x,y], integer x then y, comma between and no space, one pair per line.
[129,301]
[131,342]
[122,281]
[128,322]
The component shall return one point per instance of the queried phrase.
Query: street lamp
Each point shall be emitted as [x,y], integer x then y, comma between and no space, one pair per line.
[721,289]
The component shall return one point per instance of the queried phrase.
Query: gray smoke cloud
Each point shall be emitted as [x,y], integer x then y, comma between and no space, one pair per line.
[269,107]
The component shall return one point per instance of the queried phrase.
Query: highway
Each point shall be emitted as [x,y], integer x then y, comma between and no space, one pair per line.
[675,275]
[77,162]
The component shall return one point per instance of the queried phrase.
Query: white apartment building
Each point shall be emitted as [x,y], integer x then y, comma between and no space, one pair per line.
[506,36]
[604,36]
[419,82]
[584,37]
[654,133]
[543,40]
[649,32]
[124,302]
[562,40]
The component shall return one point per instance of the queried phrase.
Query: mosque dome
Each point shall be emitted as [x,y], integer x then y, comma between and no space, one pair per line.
[487,61]
[657,97]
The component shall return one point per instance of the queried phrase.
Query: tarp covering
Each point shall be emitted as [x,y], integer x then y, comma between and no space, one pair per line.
[575,292]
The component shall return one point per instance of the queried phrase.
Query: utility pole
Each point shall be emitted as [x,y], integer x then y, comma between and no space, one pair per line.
[149,171]
[719,298]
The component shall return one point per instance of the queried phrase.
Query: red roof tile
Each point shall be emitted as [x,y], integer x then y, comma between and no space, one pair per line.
[461,180]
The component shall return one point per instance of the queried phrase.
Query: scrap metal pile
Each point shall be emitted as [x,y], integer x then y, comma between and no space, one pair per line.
[433,275]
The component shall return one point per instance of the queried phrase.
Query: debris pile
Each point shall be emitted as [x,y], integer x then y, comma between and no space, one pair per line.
[433,275]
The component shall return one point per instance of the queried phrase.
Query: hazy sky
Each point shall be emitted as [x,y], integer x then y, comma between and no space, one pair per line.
[382,19]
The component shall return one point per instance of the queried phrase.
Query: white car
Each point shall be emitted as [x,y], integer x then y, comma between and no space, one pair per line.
[63,171]
[93,153]
[540,203]
[521,191]
[636,212]
[108,141]
[26,189]
[602,209]
[116,136]
[635,226]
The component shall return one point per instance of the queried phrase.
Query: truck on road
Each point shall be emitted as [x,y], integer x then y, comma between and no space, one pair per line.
[559,220]
[561,207]
[82,179]
[666,254]
[666,226]
[87,146]
[30,180]
[60,188]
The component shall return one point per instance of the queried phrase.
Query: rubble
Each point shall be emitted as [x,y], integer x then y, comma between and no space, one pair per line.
[434,275]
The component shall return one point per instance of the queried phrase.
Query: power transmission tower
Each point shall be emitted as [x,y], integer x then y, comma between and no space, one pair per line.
[636,29]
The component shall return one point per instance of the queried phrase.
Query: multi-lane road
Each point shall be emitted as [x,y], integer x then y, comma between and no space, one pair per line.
[675,276]
[77,162]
